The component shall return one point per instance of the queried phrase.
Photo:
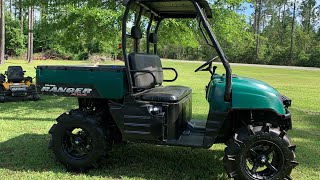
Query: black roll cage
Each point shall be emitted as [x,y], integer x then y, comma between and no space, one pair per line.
[153,15]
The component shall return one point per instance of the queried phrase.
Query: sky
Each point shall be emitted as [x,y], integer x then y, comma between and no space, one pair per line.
[249,10]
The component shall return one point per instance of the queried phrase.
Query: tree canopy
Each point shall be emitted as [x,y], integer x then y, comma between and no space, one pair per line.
[277,32]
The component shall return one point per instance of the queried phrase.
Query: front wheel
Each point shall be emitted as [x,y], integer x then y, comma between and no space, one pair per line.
[259,153]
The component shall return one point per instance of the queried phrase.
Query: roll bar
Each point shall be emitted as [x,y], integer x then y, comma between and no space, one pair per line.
[219,50]
[201,10]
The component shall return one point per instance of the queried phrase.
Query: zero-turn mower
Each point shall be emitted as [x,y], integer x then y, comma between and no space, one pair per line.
[16,87]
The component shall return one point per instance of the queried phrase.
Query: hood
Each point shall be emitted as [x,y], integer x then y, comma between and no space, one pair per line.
[248,93]
[253,85]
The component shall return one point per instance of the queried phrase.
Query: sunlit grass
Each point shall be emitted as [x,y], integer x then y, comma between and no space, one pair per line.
[24,131]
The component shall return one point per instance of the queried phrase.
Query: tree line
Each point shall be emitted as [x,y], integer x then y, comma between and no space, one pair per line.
[277,32]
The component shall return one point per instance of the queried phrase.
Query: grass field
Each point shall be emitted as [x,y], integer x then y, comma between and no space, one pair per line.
[24,132]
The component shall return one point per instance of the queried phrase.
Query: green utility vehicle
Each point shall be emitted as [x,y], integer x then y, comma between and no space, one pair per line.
[129,103]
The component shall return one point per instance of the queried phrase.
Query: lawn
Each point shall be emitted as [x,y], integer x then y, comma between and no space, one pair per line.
[24,132]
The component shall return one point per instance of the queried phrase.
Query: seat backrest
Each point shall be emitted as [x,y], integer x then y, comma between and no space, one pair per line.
[153,38]
[136,32]
[15,74]
[146,62]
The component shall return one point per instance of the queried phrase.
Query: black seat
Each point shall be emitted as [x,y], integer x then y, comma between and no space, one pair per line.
[152,83]
[15,74]
[147,74]
[166,94]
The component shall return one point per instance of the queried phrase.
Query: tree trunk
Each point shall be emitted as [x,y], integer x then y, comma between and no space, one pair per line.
[263,21]
[292,32]
[255,17]
[3,39]
[30,35]
[258,30]
[283,19]
[283,13]
[15,10]
[279,27]
[21,16]
[10,6]
[309,16]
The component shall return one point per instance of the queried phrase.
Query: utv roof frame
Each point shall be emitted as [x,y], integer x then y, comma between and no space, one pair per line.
[164,9]
[157,10]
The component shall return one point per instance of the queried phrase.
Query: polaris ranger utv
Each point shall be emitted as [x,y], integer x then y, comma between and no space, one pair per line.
[129,103]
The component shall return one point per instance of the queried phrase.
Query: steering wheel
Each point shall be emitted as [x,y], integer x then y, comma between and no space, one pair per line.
[209,64]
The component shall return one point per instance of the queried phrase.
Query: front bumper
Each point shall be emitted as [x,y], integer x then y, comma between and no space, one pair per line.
[286,123]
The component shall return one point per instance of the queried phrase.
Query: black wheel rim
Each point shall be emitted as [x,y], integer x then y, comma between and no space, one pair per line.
[77,143]
[263,160]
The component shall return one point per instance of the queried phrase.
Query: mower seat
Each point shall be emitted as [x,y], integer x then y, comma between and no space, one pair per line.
[140,63]
[15,74]
[167,94]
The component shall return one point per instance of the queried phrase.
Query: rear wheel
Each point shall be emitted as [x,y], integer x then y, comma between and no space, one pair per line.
[259,153]
[33,91]
[35,97]
[79,140]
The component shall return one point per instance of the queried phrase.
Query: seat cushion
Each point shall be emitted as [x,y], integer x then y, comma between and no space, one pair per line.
[167,94]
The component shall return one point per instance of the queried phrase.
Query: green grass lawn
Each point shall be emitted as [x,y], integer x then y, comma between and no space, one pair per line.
[24,132]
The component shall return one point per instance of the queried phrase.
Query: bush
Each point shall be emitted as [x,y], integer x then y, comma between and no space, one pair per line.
[280,56]
[14,38]
[314,60]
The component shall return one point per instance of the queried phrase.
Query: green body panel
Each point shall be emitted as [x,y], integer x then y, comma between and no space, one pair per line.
[215,95]
[108,82]
[247,93]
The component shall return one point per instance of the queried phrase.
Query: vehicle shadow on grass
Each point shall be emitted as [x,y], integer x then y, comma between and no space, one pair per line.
[28,119]
[46,103]
[29,152]
[47,109]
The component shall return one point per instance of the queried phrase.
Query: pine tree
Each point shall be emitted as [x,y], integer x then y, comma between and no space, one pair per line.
[2,44]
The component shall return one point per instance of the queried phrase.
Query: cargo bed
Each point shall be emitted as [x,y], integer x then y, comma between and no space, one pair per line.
[106,81]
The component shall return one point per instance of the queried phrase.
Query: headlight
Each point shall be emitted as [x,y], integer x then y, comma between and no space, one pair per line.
[155,110]
[286,101]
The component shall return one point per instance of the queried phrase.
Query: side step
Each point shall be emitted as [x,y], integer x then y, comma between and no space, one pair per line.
[196,126]
[192,137]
